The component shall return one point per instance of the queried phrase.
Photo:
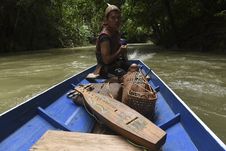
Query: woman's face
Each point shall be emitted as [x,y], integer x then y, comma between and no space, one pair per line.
[114,20]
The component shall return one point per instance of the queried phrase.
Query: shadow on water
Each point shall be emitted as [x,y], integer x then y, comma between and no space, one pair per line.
[198,78]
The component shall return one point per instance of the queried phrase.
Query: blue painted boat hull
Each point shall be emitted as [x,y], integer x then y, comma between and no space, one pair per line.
[23,125]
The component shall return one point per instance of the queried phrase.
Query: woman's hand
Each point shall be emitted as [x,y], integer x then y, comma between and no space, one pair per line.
[123,53]
[123,49]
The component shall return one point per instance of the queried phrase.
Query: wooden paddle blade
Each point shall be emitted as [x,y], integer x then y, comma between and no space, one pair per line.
[124,120]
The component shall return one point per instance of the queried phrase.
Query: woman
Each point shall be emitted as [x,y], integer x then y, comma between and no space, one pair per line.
[111,55]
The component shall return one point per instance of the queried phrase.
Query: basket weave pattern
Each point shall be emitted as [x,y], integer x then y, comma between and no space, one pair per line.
[138,94]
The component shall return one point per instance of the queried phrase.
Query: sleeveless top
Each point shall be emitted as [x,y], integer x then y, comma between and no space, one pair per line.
[114,41]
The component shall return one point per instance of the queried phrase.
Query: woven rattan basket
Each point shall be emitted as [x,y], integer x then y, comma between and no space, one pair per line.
[138,94]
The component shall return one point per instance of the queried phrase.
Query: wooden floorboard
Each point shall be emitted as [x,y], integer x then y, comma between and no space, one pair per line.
[71,141]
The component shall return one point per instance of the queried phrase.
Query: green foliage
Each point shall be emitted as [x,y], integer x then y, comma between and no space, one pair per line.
[181,23]
[41,24]
[74,22]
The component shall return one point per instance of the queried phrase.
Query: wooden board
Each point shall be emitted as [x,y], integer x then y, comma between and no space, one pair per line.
[124,120]
[73,141]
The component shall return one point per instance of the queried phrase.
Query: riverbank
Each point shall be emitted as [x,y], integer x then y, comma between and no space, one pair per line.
[146,47]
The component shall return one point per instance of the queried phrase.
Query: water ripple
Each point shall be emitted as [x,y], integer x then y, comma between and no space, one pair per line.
[201,87]
[140,56]
[208,111]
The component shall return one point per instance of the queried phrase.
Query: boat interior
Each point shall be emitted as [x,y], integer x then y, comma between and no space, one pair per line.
[23,125]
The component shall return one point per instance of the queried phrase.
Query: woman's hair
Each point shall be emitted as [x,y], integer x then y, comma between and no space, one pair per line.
[109,9]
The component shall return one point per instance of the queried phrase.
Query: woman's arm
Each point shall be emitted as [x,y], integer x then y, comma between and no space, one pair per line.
[107,56]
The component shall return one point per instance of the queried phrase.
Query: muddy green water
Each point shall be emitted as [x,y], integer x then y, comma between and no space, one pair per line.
[198,78]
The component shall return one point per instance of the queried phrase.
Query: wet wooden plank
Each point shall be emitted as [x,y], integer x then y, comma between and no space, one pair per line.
[71,141]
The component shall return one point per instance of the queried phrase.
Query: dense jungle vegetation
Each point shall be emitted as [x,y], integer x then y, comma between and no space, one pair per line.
[42,24]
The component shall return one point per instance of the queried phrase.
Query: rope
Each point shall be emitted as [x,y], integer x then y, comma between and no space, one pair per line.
[91,114]
[108,88]
[100,88]
[143,88]
[136,83]
[139,146]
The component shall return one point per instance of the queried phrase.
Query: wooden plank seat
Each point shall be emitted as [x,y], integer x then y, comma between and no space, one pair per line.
[71,141]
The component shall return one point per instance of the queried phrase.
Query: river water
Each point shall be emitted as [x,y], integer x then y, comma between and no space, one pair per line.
[198,78]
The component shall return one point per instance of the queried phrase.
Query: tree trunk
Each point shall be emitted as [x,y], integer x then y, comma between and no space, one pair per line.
[172,22]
